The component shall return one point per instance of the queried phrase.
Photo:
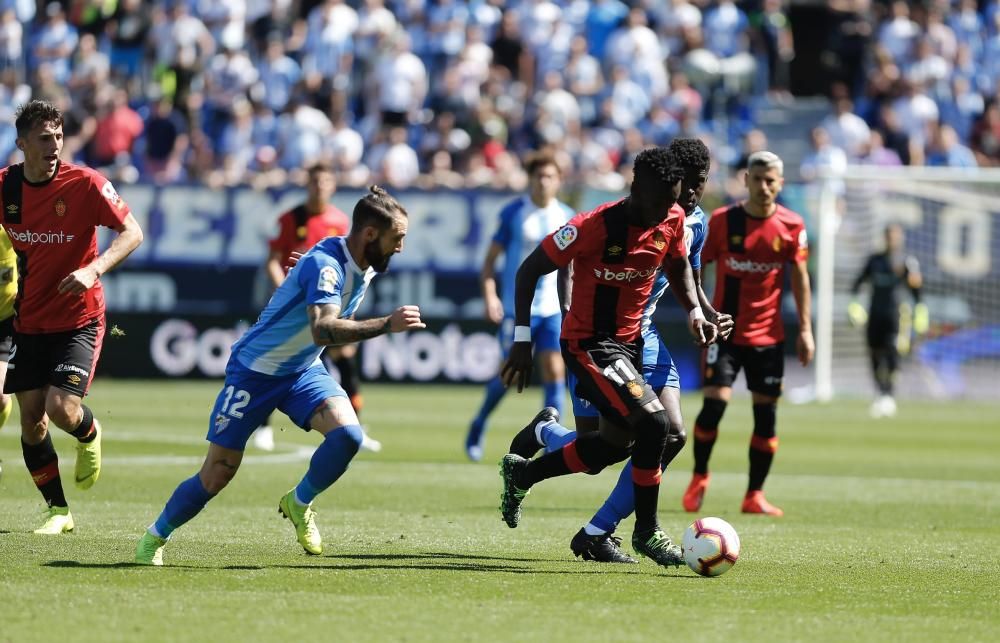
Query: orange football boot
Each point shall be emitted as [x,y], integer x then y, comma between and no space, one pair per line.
[756,503]
[695,493]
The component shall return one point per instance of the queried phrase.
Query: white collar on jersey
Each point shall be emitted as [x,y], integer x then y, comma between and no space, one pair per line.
[350,258]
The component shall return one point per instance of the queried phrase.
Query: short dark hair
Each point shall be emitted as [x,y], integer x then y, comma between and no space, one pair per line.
[35,113]
[320,167]
[659,164]
[377,208]
[540,159]
[691,154]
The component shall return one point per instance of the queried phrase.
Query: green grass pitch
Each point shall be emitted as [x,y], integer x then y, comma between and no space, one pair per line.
[892,532]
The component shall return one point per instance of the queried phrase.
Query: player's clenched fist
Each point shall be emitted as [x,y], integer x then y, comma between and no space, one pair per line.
[405,318]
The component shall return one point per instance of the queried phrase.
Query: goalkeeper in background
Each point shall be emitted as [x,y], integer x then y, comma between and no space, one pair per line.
[889,322]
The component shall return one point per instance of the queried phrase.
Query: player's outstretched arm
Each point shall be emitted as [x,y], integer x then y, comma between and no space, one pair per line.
[328,329]
[128,239]
[682,284]
[517,368]
[805,346]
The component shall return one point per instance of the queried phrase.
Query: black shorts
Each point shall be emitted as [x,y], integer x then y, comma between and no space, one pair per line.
[609,375]
[6,338]
[65,360]
[765,366]
[881,333]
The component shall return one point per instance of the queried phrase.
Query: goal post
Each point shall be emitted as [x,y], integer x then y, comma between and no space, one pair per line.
[951,222]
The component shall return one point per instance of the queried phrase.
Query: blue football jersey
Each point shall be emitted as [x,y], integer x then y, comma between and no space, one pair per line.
[695,231]
[523,225]
[281,341]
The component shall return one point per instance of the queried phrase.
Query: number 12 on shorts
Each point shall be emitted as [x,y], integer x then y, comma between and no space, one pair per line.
[239,399]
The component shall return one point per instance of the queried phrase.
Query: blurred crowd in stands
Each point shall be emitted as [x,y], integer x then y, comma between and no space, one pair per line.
[452,93]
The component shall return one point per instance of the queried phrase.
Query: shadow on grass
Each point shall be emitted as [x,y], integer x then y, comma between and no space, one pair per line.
[439,555]
[127,565]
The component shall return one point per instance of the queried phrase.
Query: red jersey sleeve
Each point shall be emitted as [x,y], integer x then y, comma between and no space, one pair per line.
[676,246]
[108,207]
[284,241]
[578,236]
[799,251]
[714,236]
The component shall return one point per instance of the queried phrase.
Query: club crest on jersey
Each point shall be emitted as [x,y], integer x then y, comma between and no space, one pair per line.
[634,389]
[327,280]
[803,239]
[776,244]
[659,240]
[564,236]
[60,207]
[221,423]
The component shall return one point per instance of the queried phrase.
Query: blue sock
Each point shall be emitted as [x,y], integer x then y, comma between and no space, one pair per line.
[329,461]
[619,505]
[555,436]
[187,500]
[495,390]
[555,393]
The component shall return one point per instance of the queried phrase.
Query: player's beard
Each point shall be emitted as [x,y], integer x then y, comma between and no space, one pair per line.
[375,257]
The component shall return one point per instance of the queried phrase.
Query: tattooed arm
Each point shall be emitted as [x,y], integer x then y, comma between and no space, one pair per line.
[328,329]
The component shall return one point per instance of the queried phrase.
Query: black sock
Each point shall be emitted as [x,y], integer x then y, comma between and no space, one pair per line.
[589,452]
[763,445]
[43,465]
[348,376]
[85,432]
[706,430]
[646,501]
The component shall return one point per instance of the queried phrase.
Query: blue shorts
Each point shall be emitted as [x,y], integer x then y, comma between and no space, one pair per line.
[248,397]
[544,333]
[657,369]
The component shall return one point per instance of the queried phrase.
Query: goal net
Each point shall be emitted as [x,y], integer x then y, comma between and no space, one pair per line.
[951,221]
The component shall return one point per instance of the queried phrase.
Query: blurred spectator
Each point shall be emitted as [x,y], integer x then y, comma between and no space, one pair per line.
[509,51]
[775,45]
[228,79]
[636,48]
[682,17]
[328,53]
[945,150]
[558,110]
[985,136]
[929,69]
[898,34]
[440,173]
[849,34]
[602,19]
[302,130]
[11,41]
[118,127]
[396,164]
[878,154]
[53,44]
[91,69]
[346,149]
[278,74]
[128,28]
[400,82]
[226,20]
[629,103]
[182,45]
[846,130]
[916,110]
[166,142]
[962,107]
[824,157]
[895,137]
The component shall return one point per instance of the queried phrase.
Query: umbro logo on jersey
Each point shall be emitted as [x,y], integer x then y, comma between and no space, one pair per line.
[614,251]
[12,209]
[27,236]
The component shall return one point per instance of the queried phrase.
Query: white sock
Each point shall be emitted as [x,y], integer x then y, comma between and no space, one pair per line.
[538,431]
[298,501]
[591,530]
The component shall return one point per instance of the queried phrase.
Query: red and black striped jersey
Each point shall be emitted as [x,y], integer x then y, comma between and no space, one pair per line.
[614,265]
[53,228]
[750,254]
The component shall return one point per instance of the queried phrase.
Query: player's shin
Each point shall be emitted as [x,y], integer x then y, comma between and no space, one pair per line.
[706,430]
[188,499]
[763,444]
[43,465]
[589,453]
[329,462]
[555,394]
[651,438]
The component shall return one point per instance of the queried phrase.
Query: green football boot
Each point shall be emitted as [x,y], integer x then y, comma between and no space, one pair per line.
[149,551]
[304,519]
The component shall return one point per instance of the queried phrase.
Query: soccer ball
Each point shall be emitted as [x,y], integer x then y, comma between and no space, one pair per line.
[711,546]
